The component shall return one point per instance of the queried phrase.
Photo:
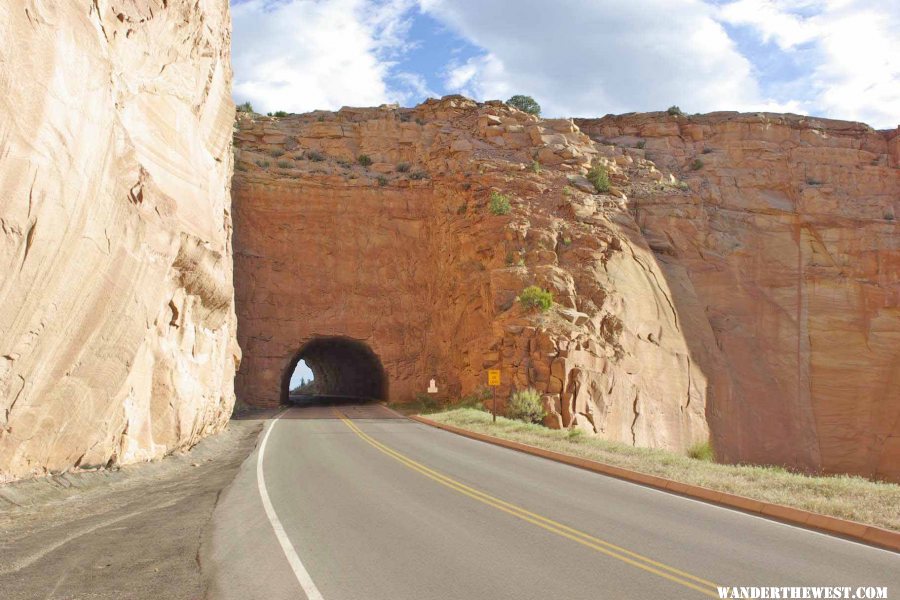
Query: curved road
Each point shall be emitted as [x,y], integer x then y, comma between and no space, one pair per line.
[355,502]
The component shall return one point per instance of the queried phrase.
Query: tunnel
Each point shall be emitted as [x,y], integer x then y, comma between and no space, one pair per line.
[343,369]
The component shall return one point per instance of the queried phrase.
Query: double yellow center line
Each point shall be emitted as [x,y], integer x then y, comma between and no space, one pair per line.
[633,558]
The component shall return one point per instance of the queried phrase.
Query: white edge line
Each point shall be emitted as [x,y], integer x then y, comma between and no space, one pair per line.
[300,572]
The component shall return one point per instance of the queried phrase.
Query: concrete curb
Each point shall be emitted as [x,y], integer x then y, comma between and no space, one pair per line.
[868,534]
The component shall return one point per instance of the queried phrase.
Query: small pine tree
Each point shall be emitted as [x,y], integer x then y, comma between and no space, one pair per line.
[525,104]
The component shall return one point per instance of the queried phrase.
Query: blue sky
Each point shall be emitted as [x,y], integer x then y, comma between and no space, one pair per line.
[301,371]
[830,58]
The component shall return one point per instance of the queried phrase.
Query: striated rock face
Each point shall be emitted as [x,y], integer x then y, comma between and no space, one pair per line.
[788,235]
[116,303]
[405,256]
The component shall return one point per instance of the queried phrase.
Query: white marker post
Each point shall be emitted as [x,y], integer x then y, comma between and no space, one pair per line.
[432,387]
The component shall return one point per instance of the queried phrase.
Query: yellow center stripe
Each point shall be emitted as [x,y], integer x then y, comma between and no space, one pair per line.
[604,547]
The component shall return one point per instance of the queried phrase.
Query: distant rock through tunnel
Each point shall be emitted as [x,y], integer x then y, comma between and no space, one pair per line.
[343,368]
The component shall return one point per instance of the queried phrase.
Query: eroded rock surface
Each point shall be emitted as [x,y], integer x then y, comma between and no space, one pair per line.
[117,328]
[788,234]
[405,255]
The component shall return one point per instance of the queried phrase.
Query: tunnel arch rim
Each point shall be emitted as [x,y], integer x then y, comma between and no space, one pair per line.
[314,339]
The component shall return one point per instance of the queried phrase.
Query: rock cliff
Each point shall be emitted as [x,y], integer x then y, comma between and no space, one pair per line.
[405,255]
[116,302]
[787,231]
[739,279]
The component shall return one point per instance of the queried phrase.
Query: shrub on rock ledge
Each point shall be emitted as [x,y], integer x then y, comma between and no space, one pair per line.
[525,104]
[536,297]
[499,204]
[599,176]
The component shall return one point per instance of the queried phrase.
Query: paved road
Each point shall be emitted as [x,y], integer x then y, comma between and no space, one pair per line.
[369,506]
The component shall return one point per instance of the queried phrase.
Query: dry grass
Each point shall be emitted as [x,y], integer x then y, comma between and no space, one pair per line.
[846,497]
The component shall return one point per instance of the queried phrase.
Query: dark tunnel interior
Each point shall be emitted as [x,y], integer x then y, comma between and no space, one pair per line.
[343,369]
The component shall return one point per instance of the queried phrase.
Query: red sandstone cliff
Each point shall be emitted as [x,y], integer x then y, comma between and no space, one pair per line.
[753,294]
[789,236]
[116,300]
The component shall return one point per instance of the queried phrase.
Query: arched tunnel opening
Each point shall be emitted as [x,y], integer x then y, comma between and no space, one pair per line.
[334,369]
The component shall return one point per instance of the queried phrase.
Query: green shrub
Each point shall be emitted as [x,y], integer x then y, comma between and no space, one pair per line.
[499,204]
[697,164]
[525,104]
[683,186]
[535,166]
[263,164]
[240,167]
[575,434]
[382,180]
[315,156]
[285,164]
[344,164]
[420,121]
[321,119]
[707,151]
[276,153]
[279,113]
[567,241]
[246,107]
[536,297]
[364,160]
[641,144]
[403,167]
[675,111]
[599,176]
[889,216]
[525,405]
[702,451]
[418,175]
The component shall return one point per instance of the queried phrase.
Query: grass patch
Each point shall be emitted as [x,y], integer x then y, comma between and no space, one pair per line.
[364,160]
[315,156]
[382,180]
[846,497]
[702,451]
[697,164]
[285,164]
[402,167]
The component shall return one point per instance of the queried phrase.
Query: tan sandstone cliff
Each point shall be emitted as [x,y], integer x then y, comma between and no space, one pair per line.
[116,302]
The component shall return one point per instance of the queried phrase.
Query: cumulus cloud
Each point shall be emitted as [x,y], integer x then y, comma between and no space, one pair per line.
[589,57]
[300,55]
[850,47]
[579,57]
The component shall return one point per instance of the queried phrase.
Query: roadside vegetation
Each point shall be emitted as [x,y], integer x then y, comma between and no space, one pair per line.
[853,498]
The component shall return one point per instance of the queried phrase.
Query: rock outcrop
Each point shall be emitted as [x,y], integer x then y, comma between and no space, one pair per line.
[405,255]
[739,278]
[117,327]
[787,232]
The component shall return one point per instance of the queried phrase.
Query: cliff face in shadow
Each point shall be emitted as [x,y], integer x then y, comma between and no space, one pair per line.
[117,327]
[787,234]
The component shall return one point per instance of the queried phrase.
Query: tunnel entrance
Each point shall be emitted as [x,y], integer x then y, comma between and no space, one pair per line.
[342,369]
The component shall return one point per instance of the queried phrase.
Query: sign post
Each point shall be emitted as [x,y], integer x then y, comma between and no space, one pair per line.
[493,382]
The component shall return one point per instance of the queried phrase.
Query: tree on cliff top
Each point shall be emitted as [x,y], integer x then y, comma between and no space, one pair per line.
[525,104]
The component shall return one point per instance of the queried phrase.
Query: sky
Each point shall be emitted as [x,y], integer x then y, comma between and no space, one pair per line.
[830,58]
[301,372]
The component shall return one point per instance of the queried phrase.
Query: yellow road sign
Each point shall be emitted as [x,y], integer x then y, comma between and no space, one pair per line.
[494,377]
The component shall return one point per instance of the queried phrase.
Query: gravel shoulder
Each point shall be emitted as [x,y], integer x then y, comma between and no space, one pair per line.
[133,532]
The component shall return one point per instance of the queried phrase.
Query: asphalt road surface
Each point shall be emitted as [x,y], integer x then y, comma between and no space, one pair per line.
[355,502]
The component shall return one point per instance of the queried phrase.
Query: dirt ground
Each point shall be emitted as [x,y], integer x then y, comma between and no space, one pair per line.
[133,532]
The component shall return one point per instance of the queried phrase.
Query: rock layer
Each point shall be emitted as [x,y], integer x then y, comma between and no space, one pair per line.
[405,255]
[788,234]
[116,303]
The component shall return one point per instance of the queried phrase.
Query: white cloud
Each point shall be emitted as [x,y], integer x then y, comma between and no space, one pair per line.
[590,57]
[851,46]
[300,55]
